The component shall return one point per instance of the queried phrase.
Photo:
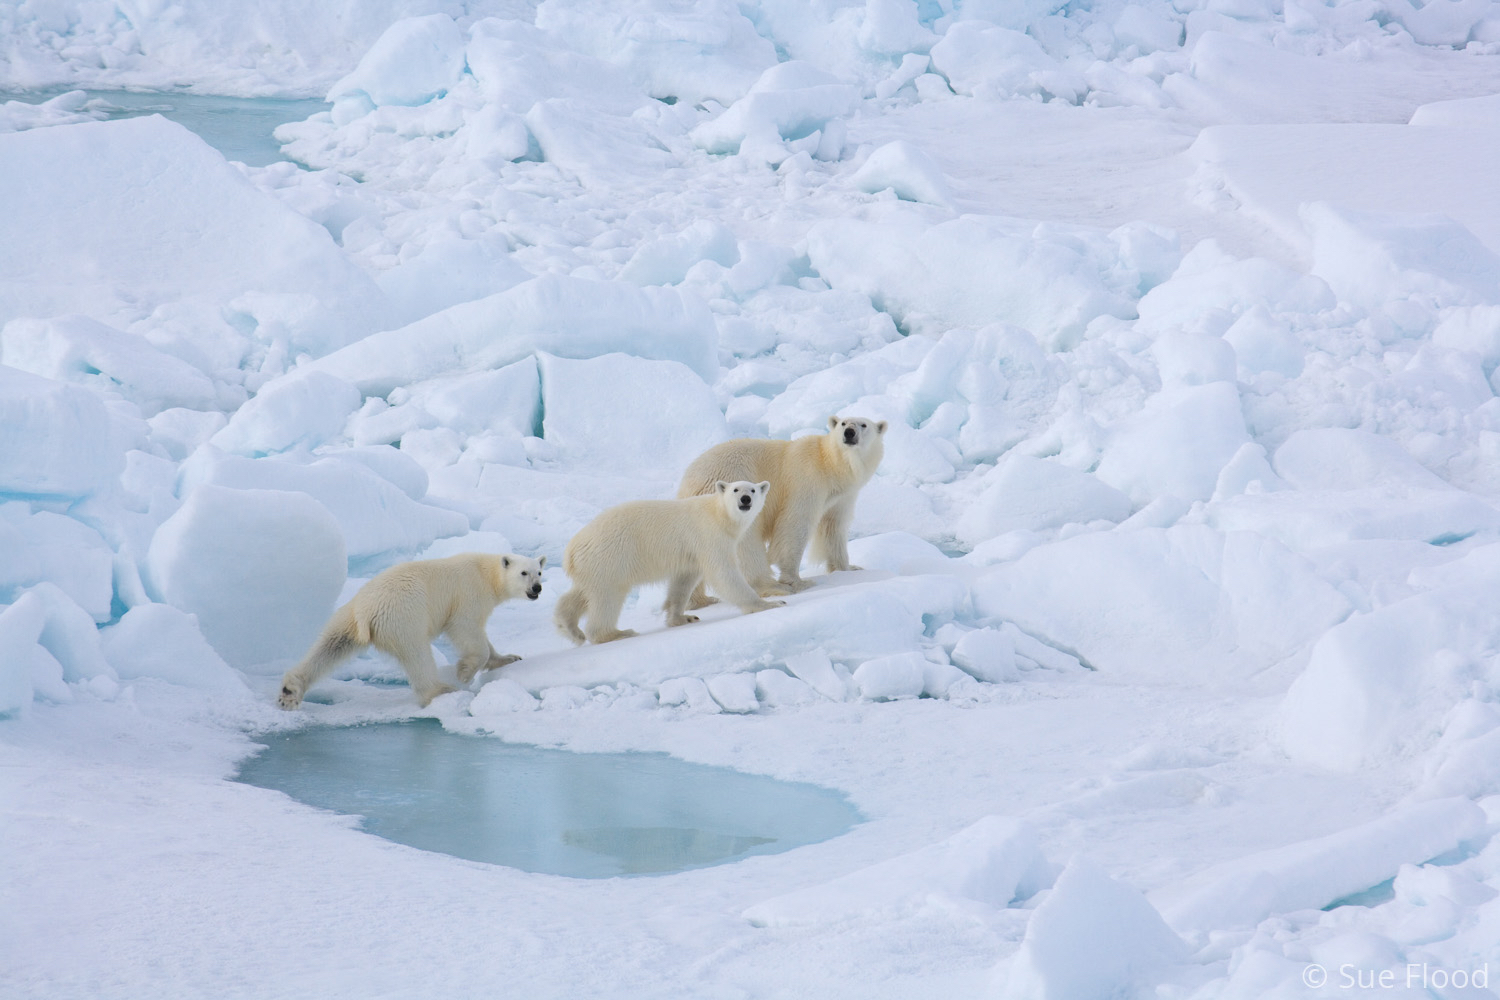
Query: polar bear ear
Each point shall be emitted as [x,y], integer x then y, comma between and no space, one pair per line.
[763,486]
[833,422]
[722,486]
[880,427]
[541,561]
[505,562]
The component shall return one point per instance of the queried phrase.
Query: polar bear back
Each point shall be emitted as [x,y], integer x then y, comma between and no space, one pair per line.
[805,474]
[644,541]
[429,594]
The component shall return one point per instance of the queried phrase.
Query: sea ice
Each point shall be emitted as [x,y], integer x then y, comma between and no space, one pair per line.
[259,568]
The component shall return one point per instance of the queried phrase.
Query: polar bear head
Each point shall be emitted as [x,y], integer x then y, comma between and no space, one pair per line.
[523,575]
[742,499]
[857,442]
[856,432]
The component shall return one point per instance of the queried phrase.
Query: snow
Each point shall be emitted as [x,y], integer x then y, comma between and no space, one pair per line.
[615,412]
[1171,667]
[887,678]
[906,170]
[116,220]
[59,440]
[566,316]
[1312,874]
[994,861]
[413,61]
[790,100]
[45,547]
[1092,936]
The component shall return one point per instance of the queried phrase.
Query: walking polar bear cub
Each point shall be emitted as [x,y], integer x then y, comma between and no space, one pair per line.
[404,608]
[645,541]
[817,480]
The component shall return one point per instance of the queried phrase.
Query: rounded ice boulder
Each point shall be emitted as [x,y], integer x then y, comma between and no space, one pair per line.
[260,568]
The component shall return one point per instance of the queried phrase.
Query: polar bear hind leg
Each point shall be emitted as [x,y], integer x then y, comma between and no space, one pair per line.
[570,608]
[339,641]
[414,653]
[604,616]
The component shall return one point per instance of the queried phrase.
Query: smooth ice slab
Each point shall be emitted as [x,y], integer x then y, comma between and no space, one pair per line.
[549,811]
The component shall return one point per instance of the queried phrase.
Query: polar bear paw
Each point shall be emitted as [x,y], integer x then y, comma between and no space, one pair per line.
[425,698]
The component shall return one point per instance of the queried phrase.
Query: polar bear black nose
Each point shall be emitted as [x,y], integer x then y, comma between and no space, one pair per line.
[849,435]
[744,503]
[535,591]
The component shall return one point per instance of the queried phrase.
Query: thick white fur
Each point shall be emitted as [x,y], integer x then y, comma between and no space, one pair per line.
[646,541]
[816,481]
[405,607]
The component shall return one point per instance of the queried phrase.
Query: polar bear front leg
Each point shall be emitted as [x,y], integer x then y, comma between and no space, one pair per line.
[724,576]
[831,545]
[787,546]
[679,590]
[755,567]
[498,660]
[474,651]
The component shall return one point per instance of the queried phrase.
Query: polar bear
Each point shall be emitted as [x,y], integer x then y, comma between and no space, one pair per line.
[645,541]
[404,608]
[817,479]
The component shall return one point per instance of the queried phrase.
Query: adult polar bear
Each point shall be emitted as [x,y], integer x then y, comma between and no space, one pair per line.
[404,608]
[644,541]
[817,480]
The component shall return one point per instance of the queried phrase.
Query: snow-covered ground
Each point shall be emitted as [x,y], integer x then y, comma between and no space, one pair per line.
[1177,621]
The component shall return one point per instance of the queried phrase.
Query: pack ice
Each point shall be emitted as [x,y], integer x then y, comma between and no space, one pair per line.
[1172,666]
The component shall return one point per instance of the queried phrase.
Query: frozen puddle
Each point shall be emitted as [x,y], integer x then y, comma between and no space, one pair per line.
[238,127]
[550,811]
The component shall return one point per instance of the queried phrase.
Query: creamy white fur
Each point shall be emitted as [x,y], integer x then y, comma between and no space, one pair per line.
[815,482]
[680,541]
[405,607]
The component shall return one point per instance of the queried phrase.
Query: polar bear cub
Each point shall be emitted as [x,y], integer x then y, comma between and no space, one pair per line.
[646,541]
[404,608]
[818,479]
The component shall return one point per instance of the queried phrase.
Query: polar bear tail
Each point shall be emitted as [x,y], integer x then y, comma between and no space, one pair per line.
[571,607]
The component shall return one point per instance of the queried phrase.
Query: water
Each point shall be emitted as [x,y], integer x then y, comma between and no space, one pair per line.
[238,127]
[551,811]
